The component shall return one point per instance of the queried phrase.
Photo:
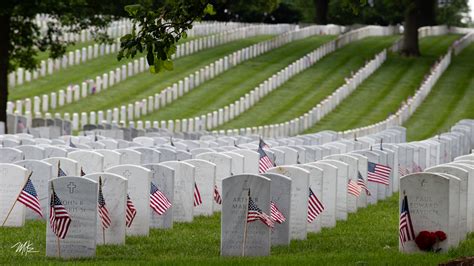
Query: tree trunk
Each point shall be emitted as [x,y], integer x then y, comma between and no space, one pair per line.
[410,34]
[322,7]
[4,61]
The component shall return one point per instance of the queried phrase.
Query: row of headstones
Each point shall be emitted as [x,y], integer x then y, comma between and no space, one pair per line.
[439,199]
[115,29]
[307,120]
[38,127]
[224,164]
[153,103]
[407,109]
[50,66]
[223,115]
[89,87]
[214,27]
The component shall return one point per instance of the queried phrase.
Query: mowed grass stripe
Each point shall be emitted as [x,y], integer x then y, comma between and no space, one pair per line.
[146,84]
[310,87]
[103,64]
[233,84]
[382,93]
[450,100]
[368,237]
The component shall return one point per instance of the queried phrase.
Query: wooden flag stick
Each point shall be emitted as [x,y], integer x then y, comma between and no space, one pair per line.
[16,199]
[59,247]
[246,224]
[103,234]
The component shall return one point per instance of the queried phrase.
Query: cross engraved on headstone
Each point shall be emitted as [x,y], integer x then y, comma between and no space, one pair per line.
[4,172]
[127,174]
[71,187]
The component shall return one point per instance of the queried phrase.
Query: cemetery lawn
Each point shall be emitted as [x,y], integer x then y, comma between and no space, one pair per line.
[307,89]
[89,70]
[146,84]
[368,237]
[450,100]
[384,91]
[236,82]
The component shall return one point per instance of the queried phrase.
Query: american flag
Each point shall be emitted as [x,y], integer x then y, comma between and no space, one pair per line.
[353,188]
[264,163]
[158,201]
[276,214]
[60,171]
[406,227]
[402,171]
[217,196]
[255,213]
[103,211]
[82,172]
[59,218]
[361,183]
[29,197]
[315,207]
[416,168]
[378,173]
[197,196]
[131,212]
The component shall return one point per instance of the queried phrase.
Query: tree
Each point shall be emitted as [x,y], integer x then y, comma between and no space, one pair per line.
[322,8]
[162,24]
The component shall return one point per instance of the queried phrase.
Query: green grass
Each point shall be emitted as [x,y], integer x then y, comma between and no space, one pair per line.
[368,237]
[308,88]
[233,84]
[451,99]
[146,84]
[79,45]
[382,93]
[89,70]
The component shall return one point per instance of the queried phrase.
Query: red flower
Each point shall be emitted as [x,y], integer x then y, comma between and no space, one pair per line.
[440,235]
[425,240]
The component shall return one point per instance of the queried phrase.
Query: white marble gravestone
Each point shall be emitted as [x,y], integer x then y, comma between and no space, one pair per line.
[130,156]
[281,196]
[433,201]
[163,178]
[234,212]
[12,181]
[114,190]
[167,154]
[465,187]
[223,169]
[250,160]
[139,182]
[32,152]
[149,155]
[299,198]
[10,155]
[42,172]
[237,162]
[89,161]
[183,204]
[69,166]
[111,158]
[204,176]
[316,183]
[79,196]
[341,188]
[328,198]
